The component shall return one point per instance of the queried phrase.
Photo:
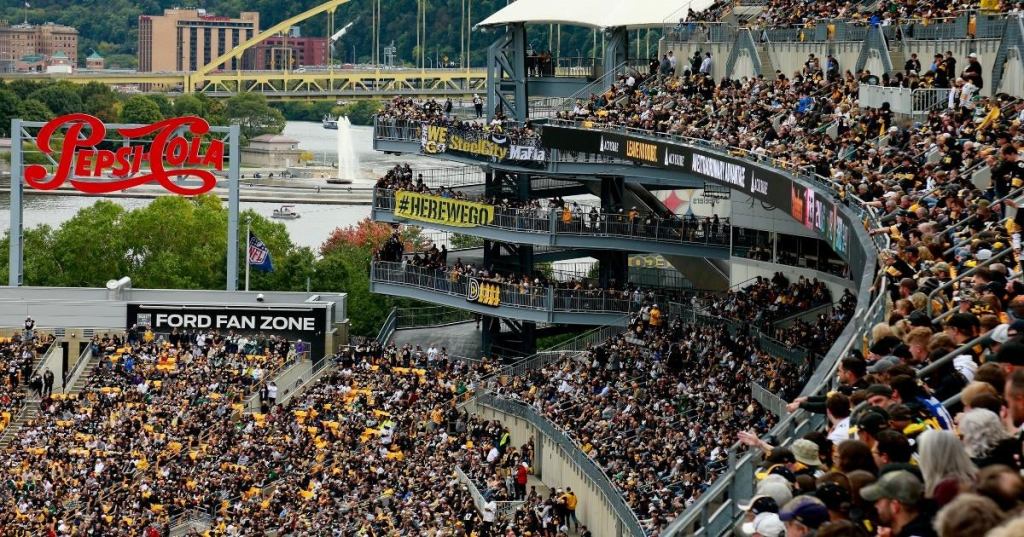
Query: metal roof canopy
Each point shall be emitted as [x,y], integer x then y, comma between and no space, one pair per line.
[596,13]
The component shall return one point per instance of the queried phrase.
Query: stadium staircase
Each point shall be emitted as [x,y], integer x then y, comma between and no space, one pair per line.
[30,409]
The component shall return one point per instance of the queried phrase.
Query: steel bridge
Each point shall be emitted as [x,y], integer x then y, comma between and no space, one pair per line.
[308,83]
[280,85]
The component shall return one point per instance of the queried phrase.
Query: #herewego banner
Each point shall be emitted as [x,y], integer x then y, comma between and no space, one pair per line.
[164,152]
[438,210]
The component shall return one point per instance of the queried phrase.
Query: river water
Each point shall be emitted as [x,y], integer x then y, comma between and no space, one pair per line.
[317,221]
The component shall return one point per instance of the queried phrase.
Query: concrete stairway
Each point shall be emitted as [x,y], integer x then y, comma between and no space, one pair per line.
[83,379]
[29,413]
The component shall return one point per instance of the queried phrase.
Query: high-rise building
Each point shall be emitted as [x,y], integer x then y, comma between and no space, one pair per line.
[278,52]
[187,39]
[28,47]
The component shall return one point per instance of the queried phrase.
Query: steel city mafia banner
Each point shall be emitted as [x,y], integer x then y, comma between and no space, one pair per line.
[495,146]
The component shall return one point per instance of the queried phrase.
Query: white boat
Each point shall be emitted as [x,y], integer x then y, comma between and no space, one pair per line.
[286,212]
[330,123]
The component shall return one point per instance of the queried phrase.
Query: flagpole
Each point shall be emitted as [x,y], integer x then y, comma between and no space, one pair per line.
[248,235]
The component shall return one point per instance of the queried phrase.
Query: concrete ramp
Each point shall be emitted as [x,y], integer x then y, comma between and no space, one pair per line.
[461,339]
[710,274]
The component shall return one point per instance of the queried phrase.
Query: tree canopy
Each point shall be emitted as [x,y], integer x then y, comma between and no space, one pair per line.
[180,243]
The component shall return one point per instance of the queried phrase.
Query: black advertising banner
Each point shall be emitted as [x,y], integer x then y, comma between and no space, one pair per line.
[815,211]
[309,325]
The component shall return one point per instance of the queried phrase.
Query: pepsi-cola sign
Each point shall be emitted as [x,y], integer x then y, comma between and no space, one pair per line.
[166,152]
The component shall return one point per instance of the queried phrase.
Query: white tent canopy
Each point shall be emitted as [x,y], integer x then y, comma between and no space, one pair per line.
[596,13]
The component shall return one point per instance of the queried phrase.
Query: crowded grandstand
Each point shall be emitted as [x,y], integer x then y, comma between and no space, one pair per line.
[902,416]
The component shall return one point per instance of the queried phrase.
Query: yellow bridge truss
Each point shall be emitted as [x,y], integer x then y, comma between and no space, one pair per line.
[291,84]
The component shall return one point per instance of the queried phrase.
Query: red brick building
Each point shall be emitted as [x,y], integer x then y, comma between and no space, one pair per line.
[274,52]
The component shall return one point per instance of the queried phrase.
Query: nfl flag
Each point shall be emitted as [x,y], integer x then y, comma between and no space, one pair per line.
[259,255]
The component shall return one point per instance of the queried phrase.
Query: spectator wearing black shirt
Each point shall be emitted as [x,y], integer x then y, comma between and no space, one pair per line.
[1009,173]
[913,64]
[973,71]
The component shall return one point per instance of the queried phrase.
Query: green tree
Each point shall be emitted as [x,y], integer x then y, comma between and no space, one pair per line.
[254,115]
[9,103]
[461,240]
[88,248]
[34,110]
[362,112]
[99,100]
[163,103]
[140,109]
[189,105]
[61,98]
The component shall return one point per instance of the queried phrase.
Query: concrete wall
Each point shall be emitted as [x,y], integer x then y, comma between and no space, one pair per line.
[790,57]
[556,470]
[749,213]
[985,48]
[102,308]
[742,270]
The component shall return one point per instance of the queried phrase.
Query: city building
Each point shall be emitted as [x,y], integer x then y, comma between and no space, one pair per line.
[187,39]
[59,63]
[271,151]
[29,47]
[94,61]
[275,52]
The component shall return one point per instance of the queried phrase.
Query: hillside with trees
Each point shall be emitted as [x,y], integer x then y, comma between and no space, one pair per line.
[115,33]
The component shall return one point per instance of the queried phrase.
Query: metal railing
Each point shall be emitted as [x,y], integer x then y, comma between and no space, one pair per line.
[504,511]
[917,102]
[562,66]
[430,316]
[396,130]
[627,519]
[510,295]
[773,403]
[71,377]
[686,230]
[388,328]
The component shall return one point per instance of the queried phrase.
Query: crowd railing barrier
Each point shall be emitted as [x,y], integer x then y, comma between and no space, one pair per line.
[627,519]
[696,231]
[917,103]
[504,509]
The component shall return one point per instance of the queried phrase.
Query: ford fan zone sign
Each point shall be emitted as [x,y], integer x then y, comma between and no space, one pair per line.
[167,151]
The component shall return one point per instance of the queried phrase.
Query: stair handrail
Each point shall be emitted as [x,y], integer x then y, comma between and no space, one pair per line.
[83,359]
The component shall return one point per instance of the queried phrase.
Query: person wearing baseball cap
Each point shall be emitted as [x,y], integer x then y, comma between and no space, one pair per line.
[765,525]
[803,516]
[755,507]
[897,498]
[1010,356]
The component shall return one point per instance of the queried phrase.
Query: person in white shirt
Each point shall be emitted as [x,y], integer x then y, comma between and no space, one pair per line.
[705,65]
[490,509]
[492,455]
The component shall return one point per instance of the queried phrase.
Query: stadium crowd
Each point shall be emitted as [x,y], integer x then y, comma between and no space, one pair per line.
[100,460]
[657,407]
[19,355]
